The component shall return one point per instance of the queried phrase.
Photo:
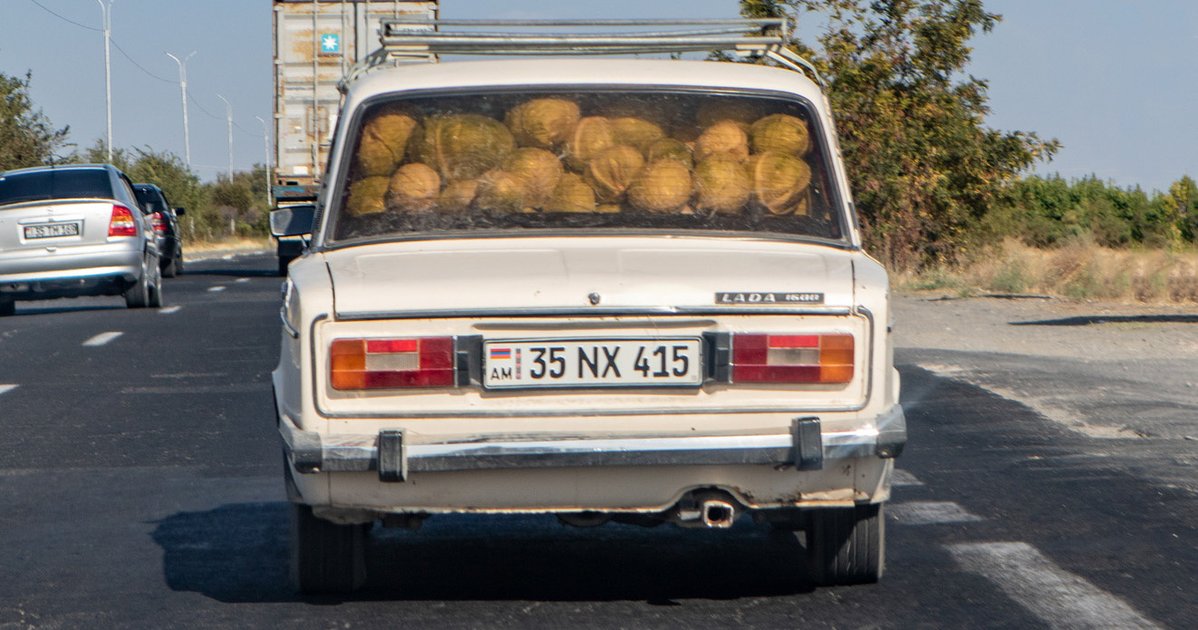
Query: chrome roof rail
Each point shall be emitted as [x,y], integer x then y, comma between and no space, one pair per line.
[417,39]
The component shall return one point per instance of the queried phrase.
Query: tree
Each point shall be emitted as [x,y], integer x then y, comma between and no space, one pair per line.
[241,200]
[27,138]
[923,166]
[1184,196]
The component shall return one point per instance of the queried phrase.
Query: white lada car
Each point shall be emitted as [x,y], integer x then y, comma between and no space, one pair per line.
[604,289]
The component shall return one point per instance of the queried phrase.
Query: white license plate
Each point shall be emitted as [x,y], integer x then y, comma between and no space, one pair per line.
[510,364]
[51,230]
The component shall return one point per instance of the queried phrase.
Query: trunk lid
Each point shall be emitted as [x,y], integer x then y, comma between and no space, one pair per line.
[505,292]
[600,275]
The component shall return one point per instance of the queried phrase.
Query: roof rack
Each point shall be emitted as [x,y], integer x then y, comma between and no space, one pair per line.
[418,39]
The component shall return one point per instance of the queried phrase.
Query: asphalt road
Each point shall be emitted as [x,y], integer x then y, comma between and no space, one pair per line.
[140,484]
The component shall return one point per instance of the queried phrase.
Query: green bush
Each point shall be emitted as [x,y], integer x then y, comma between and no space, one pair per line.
[1050,211]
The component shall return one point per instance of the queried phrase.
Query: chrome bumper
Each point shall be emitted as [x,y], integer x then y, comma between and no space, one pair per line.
[806,448]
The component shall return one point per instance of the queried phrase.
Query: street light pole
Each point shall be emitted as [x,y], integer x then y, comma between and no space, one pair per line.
[266,154]
[183,91]
[229,120]
[106,13]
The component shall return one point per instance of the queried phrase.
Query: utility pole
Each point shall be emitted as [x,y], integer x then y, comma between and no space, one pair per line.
[106,13]
[183,91]
[229,119]
[266,154]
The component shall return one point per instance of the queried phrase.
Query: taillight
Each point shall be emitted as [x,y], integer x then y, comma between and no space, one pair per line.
[158,222]
[821,359]
[392,363]
[122,223]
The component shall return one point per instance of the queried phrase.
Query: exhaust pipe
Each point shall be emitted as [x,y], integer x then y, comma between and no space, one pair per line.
[712,509]
[717,513]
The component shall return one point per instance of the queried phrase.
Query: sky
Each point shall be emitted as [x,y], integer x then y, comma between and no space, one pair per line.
[1115,81]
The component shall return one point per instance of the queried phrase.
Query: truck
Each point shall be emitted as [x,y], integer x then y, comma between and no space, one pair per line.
[603,289]
[316,43]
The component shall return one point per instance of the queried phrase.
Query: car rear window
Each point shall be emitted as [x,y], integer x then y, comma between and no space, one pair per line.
[585,159]
[55,184]
[150,200]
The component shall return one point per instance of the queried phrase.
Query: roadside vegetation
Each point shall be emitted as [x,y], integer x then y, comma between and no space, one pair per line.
[1079,269]
[944,200]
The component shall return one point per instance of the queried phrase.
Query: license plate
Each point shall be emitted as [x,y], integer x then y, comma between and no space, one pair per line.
[51,230]
[509,364]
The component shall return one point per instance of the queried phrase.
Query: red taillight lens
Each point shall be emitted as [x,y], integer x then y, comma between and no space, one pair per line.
[122,223]
[158,222]
[392,363]
[821,359]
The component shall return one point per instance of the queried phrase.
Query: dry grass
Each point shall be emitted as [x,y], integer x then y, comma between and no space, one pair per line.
[239,244]
[1081,271]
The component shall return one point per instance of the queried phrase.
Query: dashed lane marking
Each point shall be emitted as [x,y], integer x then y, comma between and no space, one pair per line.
[102,339]
[904,478]
[4,389]
[930,513]
[242,280]
[216,289]
[170,310]
[1058,597]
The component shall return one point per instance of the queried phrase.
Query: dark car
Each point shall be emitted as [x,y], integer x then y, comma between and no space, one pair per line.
[165,220]
[68,231]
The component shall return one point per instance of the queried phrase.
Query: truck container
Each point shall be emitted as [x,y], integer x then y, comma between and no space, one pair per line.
[316,42]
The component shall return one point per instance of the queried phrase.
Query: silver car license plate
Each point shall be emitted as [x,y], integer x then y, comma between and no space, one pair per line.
[51,230]
[671,362]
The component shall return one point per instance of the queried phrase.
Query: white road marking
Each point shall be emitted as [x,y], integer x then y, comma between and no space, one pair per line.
[102,338]
[242,280]
[170,310]
[930,513]
[1058,597]
[4,389]
[904,478]
[227,257]
[216,289]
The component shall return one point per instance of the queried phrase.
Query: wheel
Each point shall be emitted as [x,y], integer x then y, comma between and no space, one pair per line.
[156,289]
[7,307]
[326,557]
[138,295]
[172,267]
[847,545]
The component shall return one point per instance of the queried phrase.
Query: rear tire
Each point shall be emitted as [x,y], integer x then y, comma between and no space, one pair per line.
[138,295]
[156,290]
[326,557]
[7,307]
[847,545]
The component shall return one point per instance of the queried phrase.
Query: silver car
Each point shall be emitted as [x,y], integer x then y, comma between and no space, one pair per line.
[69,231]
